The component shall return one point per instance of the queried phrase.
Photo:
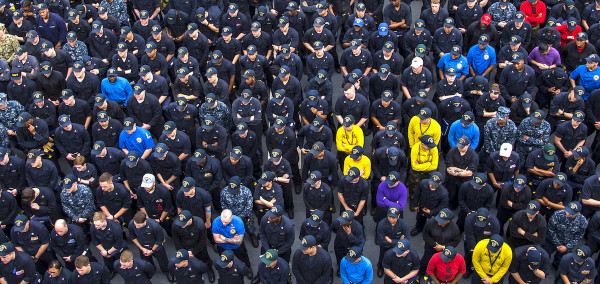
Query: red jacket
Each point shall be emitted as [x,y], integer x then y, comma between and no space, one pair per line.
[566,35]
[536,14]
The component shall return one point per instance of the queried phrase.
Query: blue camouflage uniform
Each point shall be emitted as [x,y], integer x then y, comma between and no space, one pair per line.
[240,203]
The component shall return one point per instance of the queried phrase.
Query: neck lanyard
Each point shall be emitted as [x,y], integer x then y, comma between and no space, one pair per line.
[496,258]
[421,128]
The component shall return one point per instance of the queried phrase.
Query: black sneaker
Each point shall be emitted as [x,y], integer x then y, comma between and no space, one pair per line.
[298,188]
[291,213]
[170,277]
[113,274]
[254,239]
[379,272]
[468,273]
[249,275]
[211,275]
[373,209]
[414,232]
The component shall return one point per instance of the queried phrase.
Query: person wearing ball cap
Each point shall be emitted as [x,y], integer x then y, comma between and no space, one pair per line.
[314,225]
[482,57]
[348,234]
[277,232]
[238,198]
[400,263]
[587,75]
[391,193]
[461,164]
[491,259]
[218,109]
[389,231]
[447,266]
[531,264]
[267,194]
[569,135]
[553,193]
[238,164]
[478,226]
[443,232]
[424,159]
[527,226]
[318,196]
[431,196]
[186,267]
[355,267]
[353,191]
[577,266]
[230,268]
[347,137]
[189,234]
[32,133]
[195,199]
[312,264]
[473,195]
[18,266]
[565,230]
[423,124]
[564,105]
[71,139]
[513,196]
[43,171]
[314,105]
[273,269]
[359,160]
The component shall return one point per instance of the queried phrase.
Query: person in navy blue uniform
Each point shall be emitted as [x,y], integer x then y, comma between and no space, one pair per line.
[569,135]
[11,174]
[237,20]
[231,269]
[390,230]
[352,103]
[273,268]
[148,236]
[317,195]
[348,234]
[67,241]
[385,109]
[106,159]
[256,62]
[445,38]
[125,63]
[356,57]
[71,139]
[194,199]
[175,140]
[87,271]
[107,237]
[551,82]
[530,263]
[132,169]
[381,81]
[145,110]
[319,158]
[114,199]
[398,16]
[111,108]
[564,105]
[187,268]
[102,42]
[552,194]
[320,41]
[267,194]
[315,226]
[32,133]
[43,109]
[578,266]
[184,115]
[311,263]
[260,39]
[33,238]
[212,137]
[154,199]
[78,110]
[18,266]
[40,172]
[134,270]
[238,164]
[415,78]
[207,173]
[190,234]
[386,55]
[56,274]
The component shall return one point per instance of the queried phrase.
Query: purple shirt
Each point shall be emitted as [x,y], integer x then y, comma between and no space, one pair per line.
[394,196]
[552,58]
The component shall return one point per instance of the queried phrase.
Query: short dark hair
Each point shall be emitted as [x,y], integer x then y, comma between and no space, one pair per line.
[82,261]
[28,195]
[139,217]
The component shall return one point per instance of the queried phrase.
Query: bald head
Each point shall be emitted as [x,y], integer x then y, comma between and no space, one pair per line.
[61,227]
[226,216]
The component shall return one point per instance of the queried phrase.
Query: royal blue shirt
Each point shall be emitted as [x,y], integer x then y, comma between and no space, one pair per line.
[481,59]
[235,227]
[140,140]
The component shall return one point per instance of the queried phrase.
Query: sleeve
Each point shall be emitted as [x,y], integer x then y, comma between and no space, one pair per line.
[578,235]
[477,255]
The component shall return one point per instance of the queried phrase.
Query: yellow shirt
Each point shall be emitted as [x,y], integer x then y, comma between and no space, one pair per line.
[416,130]
[482,261]
[364,165]
[346,140]
[424,160]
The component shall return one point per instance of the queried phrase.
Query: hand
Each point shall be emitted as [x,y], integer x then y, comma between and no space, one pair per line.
[426,210]
[347,230]
[133,195]
[146,126]
[521,231]
[314,110]
[514,99]
[10,132]
[147,252]
[416,209]
[526,137]
[31,129]
[510,203]
[35,206]
[105,61]
[81,220]
[580,162]
[168,186]
[486,281]
[103,253]
[274,12]
[110,217]
[568,154]
[207,224]
[439,247]
[562,249]
[387,239]
[205,22]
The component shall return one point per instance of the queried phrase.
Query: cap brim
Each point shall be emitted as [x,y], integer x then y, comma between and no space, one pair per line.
[475,185]
[31,160]
[530,212]
[433,183]
[95,152]
[440,219]
[548,157]
[19,229]
[390,183]
[480,224]
[445,258]
[351,259]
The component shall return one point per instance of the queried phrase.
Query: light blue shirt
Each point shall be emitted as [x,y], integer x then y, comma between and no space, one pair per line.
[457,130]
[360,272]
[235,227]
[481,59]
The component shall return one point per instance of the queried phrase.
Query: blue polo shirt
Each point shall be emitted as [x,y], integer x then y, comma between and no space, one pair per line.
[140,140]
[236,227]
[481,59]
[589,80]
[461,65]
